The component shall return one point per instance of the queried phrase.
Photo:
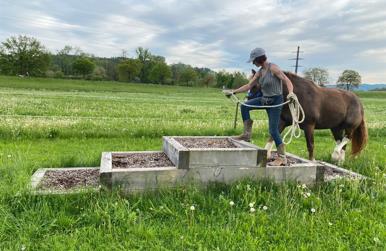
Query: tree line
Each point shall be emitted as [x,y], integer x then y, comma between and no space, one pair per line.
[26,56]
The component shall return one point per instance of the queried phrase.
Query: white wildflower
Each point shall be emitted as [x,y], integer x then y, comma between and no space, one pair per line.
[192,208]
[248,187]
[304,186]
[308,194]
[329,223]
[313,210]
[9,156]
[376,239]
[231,203]
[22,248]
[251,204]
[252,210]
[265,208]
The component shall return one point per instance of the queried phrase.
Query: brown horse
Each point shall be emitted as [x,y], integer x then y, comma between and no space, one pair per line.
[326,108]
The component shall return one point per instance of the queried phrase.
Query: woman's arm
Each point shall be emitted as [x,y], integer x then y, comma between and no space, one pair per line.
[280,74]
[250,84]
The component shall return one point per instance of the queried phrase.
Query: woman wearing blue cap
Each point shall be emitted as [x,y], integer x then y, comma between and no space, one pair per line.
[270,78]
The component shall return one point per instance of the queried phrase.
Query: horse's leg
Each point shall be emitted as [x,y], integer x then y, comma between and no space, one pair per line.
[269,144]
[309,133]
[341,142]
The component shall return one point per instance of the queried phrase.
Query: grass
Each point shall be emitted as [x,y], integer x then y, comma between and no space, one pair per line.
[60,123]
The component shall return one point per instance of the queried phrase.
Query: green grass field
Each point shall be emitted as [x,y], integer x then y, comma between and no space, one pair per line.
[63,123]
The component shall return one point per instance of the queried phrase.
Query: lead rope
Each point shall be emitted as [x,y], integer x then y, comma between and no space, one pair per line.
[296,110]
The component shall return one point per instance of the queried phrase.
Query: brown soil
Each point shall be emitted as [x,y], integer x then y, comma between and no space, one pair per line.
[290,160]
[69,179]
[205,143]
[141,160]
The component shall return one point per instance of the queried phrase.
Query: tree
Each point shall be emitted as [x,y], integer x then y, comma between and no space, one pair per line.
[144,56]
[99,73]
[23,55]
[188,75]
[160,73]
[208,80]
[349,79]
[129,69]
[239,79]
[225,79]
[317,75]
[83,66]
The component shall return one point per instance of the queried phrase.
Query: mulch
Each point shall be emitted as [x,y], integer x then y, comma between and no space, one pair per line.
[141,160]
[205,143]
[70,179]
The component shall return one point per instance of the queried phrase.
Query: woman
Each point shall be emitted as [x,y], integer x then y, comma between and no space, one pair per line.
[270,79]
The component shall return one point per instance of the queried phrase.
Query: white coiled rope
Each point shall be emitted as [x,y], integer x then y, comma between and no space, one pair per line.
[296,110]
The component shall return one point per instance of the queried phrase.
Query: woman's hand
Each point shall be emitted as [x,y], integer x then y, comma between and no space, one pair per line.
[228,93]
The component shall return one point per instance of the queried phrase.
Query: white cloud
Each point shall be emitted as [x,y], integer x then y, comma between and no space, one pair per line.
[216,34]
[197,54]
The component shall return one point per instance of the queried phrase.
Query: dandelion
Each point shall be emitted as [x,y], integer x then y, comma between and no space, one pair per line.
[265,208]
[313,210]
[231,203]
[252,210]
[192,208]
[251,204]
[329,223]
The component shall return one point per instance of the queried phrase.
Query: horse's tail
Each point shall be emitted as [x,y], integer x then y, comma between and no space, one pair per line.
[359,138]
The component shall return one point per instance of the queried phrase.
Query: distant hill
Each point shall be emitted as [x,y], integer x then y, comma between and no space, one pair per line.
[365,87]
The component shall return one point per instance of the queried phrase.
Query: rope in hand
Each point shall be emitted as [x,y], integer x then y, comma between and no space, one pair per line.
[296,110]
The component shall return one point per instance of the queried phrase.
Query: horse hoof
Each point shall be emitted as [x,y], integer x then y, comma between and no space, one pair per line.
[335,156]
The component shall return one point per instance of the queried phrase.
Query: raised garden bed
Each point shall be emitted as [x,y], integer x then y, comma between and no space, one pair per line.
[185,160]
[198,152]
[65,180]
[137,170]
[332,172]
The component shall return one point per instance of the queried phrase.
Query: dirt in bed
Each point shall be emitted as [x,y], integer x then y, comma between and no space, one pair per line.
[141,160]
[205,143]
[70,179]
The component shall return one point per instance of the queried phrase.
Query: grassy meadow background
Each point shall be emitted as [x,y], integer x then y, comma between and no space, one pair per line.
[67,123]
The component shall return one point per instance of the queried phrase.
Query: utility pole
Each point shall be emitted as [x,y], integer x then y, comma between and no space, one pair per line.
[297,60]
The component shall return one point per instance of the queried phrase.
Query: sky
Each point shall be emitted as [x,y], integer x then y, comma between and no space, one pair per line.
[335,35]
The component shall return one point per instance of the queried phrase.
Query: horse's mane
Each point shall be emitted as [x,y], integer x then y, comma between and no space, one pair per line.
[296,79]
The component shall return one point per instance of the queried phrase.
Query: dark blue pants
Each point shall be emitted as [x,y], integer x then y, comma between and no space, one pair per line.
[273,114]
